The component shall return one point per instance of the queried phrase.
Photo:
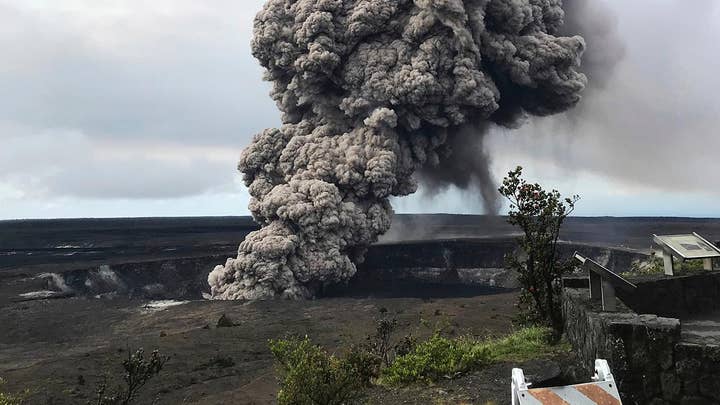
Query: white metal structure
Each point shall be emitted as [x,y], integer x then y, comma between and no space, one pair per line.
[602,391]
[686,247]
[603,282]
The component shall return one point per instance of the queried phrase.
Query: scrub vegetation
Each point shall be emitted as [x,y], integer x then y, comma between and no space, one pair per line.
[310,374]
[443,357]
[12,399]
[655,266]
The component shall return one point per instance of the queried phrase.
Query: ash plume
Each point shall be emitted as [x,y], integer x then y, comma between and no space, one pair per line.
[647,126]
[469,166]
[597,24]
[371,91]
[464,163]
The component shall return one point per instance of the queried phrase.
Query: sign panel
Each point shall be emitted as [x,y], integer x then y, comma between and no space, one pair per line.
[597,268]
[690,246]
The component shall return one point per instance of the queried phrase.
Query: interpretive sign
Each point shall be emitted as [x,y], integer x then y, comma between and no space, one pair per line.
[686,247]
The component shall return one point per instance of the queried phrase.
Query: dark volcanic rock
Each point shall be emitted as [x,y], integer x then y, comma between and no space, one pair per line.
[225,322]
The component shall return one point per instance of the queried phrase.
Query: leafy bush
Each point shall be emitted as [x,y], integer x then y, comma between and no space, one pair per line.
[436,358]
[12,399]
[656,266]
[309,375]
[138,371]
[525,344]
[540,215]
[442,357]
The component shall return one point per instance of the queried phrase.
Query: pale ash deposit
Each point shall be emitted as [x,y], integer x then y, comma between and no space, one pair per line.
[371,91]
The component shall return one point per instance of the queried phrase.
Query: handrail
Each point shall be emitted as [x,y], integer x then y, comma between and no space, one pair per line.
[603,282]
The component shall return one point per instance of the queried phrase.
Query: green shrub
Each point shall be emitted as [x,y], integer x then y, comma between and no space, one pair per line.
[309,375]
[656,266]
[442,357]
[525,344]
[12,399]
[435,358]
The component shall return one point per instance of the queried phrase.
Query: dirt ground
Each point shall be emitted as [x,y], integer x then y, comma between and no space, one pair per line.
[59,349]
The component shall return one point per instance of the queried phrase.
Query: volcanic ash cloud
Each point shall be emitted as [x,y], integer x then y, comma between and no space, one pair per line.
[371,91]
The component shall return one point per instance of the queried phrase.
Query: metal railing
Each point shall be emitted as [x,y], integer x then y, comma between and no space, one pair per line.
[603,282]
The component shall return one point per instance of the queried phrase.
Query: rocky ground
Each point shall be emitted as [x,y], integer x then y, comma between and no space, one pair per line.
[59,349]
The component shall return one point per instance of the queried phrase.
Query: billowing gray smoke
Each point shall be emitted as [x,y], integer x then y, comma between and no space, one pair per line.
[646,129]
[469,167]
[597,24]
[371,91]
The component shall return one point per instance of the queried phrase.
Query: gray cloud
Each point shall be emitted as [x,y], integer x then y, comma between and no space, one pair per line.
[653,122]
[69,164]
[139,178]
[597,23]
[174,73]
[89,88]
[140,73]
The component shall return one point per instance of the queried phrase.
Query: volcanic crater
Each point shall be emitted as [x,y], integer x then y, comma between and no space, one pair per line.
[76,295]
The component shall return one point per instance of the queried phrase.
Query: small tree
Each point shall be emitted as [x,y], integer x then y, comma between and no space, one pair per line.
[540,215]
[138,371]
[379,343]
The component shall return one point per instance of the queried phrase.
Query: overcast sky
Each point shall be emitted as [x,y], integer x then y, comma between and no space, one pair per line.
[141,108]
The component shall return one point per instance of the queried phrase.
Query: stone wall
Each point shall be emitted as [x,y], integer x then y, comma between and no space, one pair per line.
[675,296]
[648,360]
[697,376]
